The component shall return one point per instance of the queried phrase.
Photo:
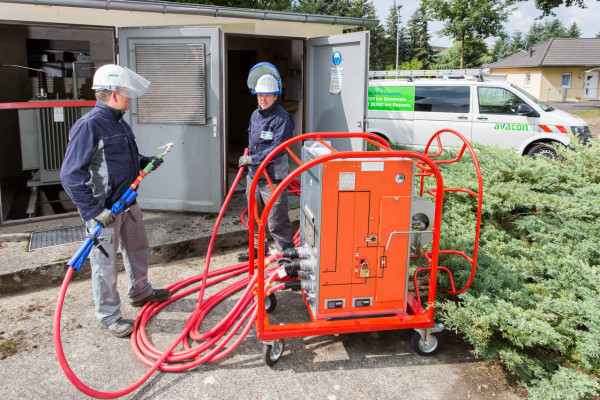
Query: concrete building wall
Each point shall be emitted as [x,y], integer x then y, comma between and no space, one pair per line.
[546,82]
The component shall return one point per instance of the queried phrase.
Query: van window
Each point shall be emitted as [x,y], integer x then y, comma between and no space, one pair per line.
[450,99]
[494,100]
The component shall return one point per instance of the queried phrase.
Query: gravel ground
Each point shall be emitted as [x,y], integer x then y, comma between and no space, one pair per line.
[376,365]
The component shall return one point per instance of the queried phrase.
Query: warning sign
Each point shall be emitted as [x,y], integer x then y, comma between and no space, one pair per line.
[392,98]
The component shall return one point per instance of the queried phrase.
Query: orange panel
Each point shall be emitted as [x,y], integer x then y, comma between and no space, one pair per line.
[391,274]
[362,203]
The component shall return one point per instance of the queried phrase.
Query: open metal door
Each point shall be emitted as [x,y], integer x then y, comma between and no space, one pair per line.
[183,105]
[336,85]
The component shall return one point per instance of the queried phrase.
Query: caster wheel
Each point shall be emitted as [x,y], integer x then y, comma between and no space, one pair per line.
[424,348]
[272,352]
[270,303]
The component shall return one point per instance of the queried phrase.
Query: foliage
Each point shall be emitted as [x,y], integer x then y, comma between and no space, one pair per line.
[533,304]
[393,29]
[547,6]
[574,31]
[419,36]
[474,56]
[277,5]
[465,20]
[540,32]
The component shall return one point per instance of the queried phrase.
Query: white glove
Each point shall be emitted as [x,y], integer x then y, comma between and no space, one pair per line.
[105,218]
[245,161]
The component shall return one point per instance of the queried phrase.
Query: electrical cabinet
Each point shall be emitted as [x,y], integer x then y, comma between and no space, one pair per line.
[356,217]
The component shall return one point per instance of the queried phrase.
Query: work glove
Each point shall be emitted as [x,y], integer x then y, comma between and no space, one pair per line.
[245,161]
[145,160]
[105,218]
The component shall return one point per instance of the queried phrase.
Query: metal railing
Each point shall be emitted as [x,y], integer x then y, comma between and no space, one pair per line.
[572,94]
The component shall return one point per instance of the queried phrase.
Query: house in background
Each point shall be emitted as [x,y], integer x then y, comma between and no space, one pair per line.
[555,70]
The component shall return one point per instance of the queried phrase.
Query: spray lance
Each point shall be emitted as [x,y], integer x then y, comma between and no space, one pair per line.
[119,206]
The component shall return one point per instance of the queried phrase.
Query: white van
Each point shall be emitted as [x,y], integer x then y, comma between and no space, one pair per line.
[490,112]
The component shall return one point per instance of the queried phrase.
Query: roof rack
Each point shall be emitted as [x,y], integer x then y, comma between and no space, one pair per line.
[445,73]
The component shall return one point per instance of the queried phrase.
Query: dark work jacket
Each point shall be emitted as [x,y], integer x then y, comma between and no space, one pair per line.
[101,160]
[267,130]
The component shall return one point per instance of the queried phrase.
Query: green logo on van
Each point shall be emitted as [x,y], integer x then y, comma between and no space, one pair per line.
[392,98]
[511,127]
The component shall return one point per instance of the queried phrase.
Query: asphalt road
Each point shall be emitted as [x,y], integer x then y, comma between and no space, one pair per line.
[376,365]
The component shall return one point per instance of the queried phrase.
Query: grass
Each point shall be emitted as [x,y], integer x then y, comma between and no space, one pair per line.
[586,113]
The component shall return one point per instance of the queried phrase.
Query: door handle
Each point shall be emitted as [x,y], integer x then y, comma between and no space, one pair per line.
[462,117]
[482,118]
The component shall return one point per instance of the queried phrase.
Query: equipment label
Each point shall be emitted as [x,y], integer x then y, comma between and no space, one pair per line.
[347,180]
[392,98]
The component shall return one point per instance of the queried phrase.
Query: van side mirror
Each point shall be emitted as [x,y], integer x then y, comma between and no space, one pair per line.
[525,109]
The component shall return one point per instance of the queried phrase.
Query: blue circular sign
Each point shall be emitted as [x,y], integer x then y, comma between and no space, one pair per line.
[336,58]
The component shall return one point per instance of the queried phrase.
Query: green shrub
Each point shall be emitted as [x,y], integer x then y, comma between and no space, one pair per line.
[535,301]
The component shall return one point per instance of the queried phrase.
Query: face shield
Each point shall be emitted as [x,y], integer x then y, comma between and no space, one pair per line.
[121,80]
[257,74]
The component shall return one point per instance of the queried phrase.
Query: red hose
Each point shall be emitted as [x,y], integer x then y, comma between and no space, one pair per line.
[244,312]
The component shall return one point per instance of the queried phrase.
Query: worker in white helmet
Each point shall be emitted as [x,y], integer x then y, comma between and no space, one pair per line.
[101,161]
[270,125]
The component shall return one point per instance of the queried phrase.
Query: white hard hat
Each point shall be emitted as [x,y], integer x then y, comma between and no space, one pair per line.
[121,80]
[266,84]
[258,72]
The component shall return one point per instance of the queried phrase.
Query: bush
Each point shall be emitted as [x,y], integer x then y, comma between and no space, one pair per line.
[534,304]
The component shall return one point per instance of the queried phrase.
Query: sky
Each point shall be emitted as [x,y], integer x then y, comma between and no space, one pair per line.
[520,19]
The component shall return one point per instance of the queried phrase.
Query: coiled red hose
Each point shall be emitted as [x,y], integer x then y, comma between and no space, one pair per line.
[212,342]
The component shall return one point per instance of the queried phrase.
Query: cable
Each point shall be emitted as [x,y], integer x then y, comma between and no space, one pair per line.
[212,342]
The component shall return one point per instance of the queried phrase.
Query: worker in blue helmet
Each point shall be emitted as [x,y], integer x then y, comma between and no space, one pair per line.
[270,125]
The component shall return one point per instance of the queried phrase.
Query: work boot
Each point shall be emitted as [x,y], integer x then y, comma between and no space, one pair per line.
[157,296]
[120,328]
[245,256]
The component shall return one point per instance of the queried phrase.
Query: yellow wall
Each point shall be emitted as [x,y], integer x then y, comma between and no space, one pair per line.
[87,16]
[546,81]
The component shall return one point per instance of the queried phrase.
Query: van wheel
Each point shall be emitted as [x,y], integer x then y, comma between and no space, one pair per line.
[542,150]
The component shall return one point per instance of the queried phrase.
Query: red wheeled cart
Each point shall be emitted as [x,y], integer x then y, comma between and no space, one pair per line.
[364,215]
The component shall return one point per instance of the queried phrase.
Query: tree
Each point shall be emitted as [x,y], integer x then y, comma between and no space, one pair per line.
[277,5]
[419,36]
[466,20]
[324,7]
[540,32]
[378,49]
[517,42]
[393,30]
[574,31]
[546,6]
[502,48]
[473,55]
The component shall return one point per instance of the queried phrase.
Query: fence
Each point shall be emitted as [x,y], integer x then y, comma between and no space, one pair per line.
[572,94]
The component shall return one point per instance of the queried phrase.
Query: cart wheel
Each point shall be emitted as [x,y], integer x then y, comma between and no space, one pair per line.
[272,352]
[270,303]
[423,348]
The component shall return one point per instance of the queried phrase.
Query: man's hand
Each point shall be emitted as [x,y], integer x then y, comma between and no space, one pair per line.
[245,161]
[105,218]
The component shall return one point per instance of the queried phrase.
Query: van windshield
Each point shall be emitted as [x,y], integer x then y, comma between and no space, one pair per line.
[543,106]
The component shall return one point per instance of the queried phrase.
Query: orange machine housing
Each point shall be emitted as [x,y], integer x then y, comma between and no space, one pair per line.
[363,225]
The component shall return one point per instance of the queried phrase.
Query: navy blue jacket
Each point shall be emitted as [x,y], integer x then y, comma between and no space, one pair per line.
[267,130]
[101,161]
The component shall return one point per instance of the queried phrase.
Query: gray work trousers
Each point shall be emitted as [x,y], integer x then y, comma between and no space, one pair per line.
[278,222]
[130,237]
